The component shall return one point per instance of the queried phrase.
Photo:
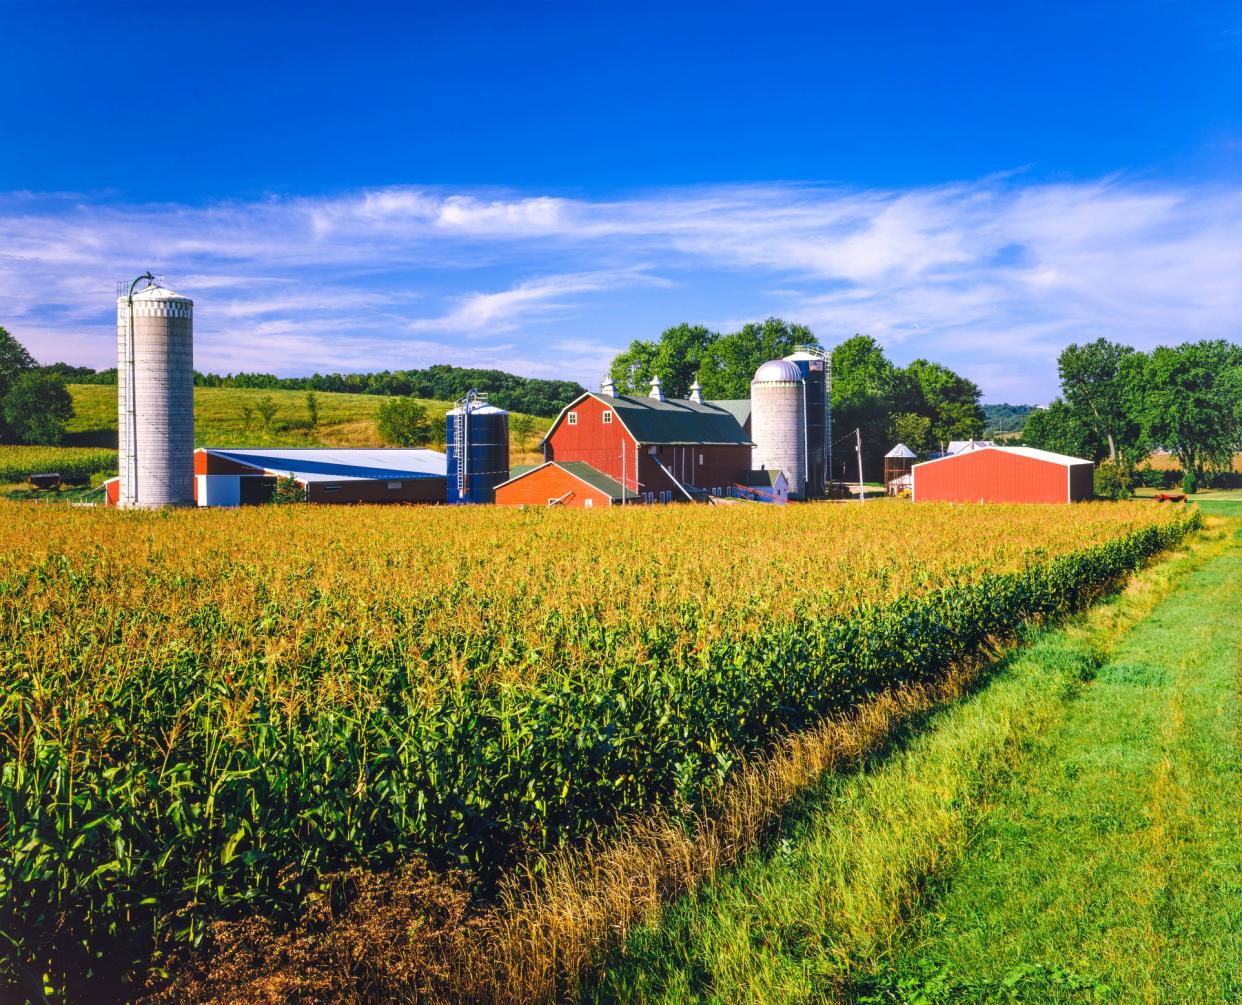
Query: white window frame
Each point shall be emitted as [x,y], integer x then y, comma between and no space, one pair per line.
[607,417]
[588,503]
[572,419]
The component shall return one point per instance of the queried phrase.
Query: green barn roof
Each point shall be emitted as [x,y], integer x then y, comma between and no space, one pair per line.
[673,422]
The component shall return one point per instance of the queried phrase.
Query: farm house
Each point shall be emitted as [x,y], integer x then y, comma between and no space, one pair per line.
[243,476]
[1004,474]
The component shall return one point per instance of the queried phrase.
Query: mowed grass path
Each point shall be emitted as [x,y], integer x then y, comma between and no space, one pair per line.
[1116,853]
[1068,833]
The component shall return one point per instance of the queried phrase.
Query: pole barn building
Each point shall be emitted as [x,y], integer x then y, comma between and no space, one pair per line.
[1004,474]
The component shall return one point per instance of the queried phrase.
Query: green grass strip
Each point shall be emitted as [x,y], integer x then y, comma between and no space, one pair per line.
[1113,860]
[815,914]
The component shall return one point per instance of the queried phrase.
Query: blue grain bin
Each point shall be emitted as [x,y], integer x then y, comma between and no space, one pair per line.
[814,369]
[479,434]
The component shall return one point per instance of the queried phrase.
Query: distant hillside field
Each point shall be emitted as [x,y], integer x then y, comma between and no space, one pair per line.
[345,420]
[1005,418]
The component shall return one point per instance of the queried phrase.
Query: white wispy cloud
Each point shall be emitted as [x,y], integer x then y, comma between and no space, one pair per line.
[992,277]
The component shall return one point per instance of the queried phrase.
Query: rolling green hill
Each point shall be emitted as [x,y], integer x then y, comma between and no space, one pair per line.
[221,420]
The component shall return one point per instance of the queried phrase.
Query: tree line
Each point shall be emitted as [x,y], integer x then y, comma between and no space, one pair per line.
[924,405]
[442,382]
[1118,404]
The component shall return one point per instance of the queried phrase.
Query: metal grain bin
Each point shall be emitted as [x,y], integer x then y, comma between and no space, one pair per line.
[477,445]
[814,366]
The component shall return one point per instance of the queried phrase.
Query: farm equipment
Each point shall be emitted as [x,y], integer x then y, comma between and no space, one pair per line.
[45,481]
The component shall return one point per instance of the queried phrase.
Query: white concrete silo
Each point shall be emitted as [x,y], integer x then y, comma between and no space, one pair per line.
[155,398]
[778,422]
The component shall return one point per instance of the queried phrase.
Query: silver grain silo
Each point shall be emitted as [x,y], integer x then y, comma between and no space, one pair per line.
[155,397]
[778,422]
[813,363]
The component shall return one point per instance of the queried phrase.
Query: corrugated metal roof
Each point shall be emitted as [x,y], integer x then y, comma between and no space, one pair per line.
[329,464]
[674,422]
[580,470]
[765,477]
[1032,452]
[902,451]
[739,408]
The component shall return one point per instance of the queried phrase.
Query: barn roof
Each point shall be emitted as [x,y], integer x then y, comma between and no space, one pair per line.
[580,470]
[333,465]
[1035,454]
[673,422]
[739,408]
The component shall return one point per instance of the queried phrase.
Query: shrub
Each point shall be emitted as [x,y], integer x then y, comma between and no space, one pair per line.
[403,421]
[36,408]
[1114,480]
[288,490]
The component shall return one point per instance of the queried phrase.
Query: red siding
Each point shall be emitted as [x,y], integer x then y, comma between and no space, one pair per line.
[593,441]
[600,444]
[536,487]
[994,476]
[210,464]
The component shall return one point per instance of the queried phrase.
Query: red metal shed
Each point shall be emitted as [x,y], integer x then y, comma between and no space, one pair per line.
[1004,474]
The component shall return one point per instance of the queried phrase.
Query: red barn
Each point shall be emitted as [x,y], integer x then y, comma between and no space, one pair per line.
[656,449]
[560,483]
[1004,474]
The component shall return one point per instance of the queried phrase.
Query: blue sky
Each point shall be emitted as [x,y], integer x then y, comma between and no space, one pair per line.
[530,186]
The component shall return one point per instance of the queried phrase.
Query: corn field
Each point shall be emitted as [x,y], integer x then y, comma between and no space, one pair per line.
[18,462]
[203,711]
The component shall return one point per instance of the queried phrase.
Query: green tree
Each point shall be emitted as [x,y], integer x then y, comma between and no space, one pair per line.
[1060,429]
[312,409]
[403,421]
[730,361]
[1093,385]
[14,361]
[266,408]
[522,427]
[676,358]
[1188,399]
[912,429]
[865,386]
[948,400]
[36,407]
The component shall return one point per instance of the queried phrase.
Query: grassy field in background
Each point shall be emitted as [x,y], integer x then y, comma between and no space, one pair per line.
[1067,833]
[345,420]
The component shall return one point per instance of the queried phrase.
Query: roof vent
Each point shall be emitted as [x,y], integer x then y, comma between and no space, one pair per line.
[696,392]
[608,387]
[657,389]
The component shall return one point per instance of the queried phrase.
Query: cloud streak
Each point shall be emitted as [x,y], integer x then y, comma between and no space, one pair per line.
[992,277]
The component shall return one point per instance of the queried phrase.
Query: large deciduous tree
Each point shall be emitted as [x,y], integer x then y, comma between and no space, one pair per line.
[676,358]
[1060,428]
[1093,386]
[1188,399]
[865,386]
[730,361]
[948,400]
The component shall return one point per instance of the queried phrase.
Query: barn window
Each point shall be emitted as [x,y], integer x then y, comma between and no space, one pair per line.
[588,502]
[607,418]
[700,458]
[394,485]
[332,488]
[573,418]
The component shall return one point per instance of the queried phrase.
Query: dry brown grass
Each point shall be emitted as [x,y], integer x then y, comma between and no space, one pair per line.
[408,935]
[1169,462]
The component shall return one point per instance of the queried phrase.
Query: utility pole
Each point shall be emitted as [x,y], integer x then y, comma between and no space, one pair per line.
[862,492]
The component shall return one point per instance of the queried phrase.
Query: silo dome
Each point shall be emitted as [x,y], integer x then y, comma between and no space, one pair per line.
[155,398]
[777,371]
[778,422]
